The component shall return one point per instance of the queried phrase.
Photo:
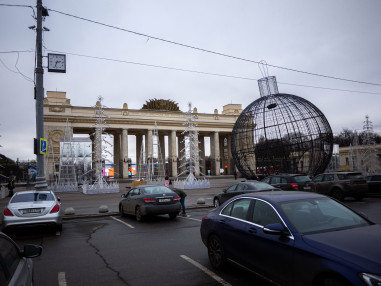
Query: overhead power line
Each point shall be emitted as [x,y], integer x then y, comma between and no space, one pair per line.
[205,73]
[212,52]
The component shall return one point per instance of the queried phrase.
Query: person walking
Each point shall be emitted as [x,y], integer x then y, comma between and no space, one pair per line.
[182,195]
[167,181]
[235,175]
[11,186]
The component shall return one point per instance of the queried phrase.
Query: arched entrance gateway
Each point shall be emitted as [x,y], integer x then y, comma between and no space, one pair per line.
[60,117]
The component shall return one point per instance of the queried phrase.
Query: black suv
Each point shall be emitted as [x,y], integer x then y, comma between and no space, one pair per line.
[290,182]
[341,185]
[374,184]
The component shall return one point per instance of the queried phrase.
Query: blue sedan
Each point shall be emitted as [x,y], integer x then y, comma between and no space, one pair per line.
[296,238]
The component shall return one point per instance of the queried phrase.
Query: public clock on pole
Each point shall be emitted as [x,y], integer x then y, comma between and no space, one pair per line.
[56,63]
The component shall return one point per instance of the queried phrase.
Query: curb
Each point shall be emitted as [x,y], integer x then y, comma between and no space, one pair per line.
[83,216]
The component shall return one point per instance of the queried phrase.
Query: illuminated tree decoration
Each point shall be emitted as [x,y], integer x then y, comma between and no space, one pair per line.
[281,133]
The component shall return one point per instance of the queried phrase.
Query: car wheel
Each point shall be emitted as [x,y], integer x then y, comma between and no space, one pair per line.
[216,252]
[216,203]
[138,214]
[333,281]
[337,194]
[121,210]
[173,215]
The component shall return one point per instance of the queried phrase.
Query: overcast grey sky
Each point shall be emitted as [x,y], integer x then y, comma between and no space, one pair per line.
[338,38]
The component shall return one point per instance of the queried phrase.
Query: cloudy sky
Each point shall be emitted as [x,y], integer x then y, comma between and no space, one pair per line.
[339,40]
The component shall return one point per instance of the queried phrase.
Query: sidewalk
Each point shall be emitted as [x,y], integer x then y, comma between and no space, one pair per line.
[88,205]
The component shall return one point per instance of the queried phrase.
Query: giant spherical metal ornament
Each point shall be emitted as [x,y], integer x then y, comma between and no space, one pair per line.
[281,133]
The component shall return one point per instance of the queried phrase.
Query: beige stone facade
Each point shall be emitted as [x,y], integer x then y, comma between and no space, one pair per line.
[123,122]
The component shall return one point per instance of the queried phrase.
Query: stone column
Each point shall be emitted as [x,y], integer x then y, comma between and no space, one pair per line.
[117,155]
[181,144]
[173,153]
[149,144]
[124,155]
[197,156]
[139,142]
[162,147]
[217,158]
[202,155]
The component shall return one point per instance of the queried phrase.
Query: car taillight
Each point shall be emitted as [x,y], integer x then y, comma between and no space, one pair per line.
[176,198]
[149,200]
[295,186]
[7,212]
[55,209]
[203,218]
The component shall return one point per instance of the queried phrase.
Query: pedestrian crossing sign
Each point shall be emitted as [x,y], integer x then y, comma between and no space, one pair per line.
[43,146]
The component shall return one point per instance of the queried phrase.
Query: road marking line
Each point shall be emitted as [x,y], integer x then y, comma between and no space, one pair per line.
[130,226]
[61,279]
[206,271]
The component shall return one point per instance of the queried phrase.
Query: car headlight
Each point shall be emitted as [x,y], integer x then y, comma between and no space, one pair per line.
[371,279]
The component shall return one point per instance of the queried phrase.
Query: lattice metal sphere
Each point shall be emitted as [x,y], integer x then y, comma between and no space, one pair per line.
[281,133]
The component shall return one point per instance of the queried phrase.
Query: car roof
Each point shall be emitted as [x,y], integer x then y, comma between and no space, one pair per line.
[283,196]
[32,191]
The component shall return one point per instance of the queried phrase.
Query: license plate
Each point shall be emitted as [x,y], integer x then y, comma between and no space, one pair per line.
[31,211]
[307,188]
[164,200]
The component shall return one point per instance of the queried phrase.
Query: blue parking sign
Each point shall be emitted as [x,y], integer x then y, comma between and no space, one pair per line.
[43,146]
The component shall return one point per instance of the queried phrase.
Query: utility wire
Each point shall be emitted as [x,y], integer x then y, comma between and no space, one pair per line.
[209,51]
[204,73]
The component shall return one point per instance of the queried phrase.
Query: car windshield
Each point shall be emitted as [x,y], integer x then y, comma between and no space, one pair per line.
[157,190]
[302,179]
[320,215]
[260,186]
[32,197]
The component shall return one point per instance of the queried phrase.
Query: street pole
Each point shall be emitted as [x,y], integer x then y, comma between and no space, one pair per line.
[39,90]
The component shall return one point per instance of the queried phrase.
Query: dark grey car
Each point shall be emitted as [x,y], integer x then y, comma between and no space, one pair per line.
[341,185]
[16,267]
[374,184]
[290,182]
[146,200]
[241,188]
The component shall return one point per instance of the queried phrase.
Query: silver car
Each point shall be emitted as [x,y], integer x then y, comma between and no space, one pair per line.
[16,267]
[33,208]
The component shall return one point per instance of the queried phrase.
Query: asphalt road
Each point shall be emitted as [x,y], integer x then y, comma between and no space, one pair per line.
[120,251]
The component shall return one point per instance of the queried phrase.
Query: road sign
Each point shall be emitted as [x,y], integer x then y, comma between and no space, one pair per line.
[43,146]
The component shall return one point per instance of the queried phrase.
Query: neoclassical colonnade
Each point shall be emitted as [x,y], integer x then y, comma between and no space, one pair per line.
[123,123]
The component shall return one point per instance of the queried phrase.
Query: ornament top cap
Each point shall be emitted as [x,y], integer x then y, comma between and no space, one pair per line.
[268,86]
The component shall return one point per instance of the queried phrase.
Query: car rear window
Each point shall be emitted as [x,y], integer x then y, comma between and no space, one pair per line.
[157,190]
[302,179]
[351,176]
[32,197]
[260,186]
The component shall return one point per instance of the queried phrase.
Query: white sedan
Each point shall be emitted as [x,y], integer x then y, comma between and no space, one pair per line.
[33,208]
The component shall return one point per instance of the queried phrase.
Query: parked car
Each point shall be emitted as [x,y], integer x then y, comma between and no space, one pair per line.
[374,184]
[290,182]
[294,238]
[239,189]
[144,200]
[16,267]
[28,208]
[341,185]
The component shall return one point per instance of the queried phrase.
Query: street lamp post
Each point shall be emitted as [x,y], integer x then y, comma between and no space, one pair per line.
[39,92]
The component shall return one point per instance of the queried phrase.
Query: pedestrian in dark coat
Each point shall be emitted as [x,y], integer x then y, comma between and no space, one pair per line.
[11,186]
[182,195]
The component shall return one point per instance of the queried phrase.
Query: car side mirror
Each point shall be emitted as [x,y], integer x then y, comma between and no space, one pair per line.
[123,196]
[224,190]
[31,251]
[58,199]
[275,228]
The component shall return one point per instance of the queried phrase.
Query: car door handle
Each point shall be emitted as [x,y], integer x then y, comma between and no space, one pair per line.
[222,221]
[252,230]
